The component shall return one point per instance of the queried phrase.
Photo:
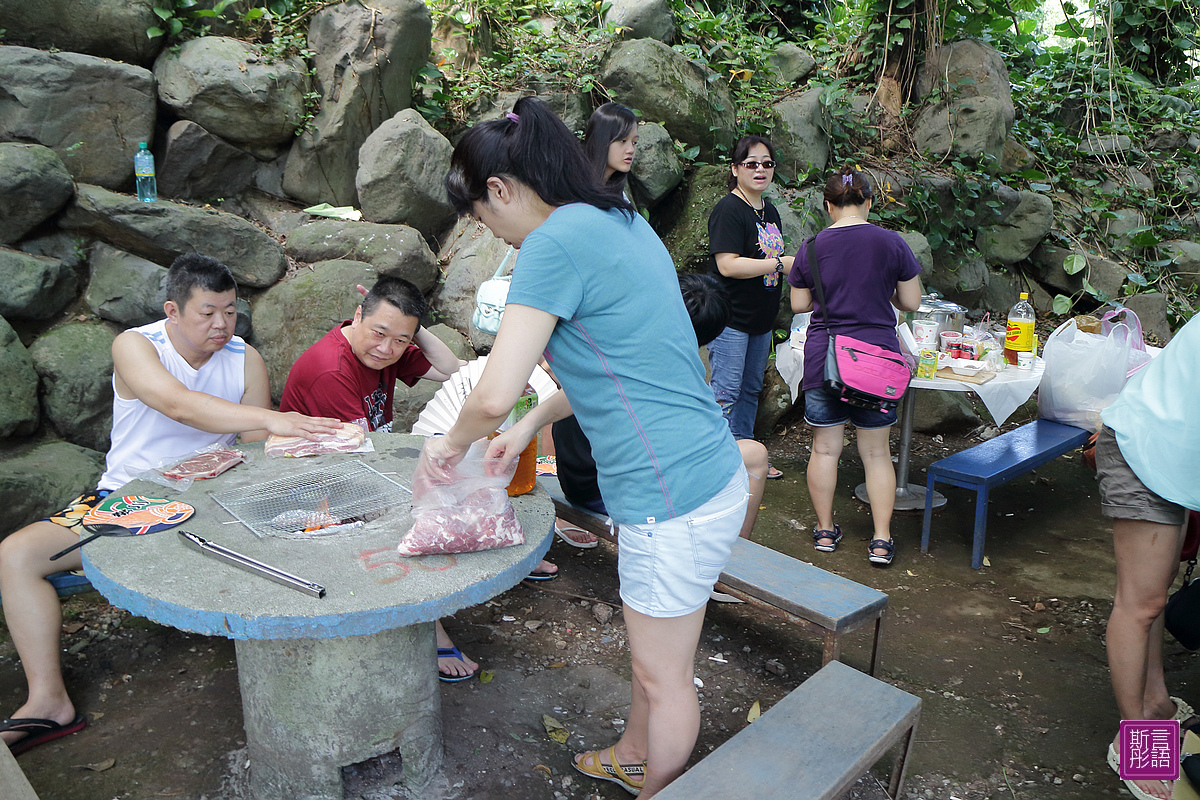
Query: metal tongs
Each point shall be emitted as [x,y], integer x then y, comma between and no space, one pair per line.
[251,565]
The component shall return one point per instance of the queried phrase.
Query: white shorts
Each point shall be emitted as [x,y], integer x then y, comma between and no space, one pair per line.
[668,568]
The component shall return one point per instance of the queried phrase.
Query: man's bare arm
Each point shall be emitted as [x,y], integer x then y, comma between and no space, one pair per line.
[442,362]
[139,375]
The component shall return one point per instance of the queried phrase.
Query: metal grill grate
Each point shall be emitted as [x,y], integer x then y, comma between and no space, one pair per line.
[328,500]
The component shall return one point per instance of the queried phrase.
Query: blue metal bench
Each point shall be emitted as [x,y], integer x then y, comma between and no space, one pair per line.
[68,583]
[811,745]
[995,462]
[808,596]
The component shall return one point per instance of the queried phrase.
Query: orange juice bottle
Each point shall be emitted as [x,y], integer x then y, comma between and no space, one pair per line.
[525,477]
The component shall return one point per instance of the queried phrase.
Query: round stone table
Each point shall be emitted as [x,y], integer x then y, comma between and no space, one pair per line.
[325,682]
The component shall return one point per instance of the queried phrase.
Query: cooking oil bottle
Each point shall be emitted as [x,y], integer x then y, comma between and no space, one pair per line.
[1018,335]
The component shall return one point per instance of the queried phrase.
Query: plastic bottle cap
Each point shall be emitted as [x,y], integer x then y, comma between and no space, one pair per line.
[1024,295]
[143,146]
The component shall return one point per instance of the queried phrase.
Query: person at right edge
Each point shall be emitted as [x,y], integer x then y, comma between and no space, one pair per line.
[746,244]
[865,271]
[1148,464]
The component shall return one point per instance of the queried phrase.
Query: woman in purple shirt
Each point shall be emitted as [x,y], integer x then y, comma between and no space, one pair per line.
[865,272]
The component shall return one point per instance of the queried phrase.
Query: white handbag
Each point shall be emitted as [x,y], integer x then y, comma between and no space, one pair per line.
[490,299]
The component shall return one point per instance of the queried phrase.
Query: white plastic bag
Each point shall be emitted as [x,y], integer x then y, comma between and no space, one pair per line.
[1084,374]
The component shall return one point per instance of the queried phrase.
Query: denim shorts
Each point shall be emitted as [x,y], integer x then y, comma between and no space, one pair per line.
[824,409]
[1122,494]
[668,568]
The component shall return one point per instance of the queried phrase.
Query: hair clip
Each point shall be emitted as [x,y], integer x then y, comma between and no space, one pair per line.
[847,180]
[513,117]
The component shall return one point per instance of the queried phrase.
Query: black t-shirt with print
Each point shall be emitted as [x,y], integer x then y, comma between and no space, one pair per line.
[734,227]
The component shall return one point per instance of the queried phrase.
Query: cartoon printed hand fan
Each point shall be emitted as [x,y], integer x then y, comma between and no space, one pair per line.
[130,515]
[442,411]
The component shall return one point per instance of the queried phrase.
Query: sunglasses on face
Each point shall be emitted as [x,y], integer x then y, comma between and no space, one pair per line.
[752,165]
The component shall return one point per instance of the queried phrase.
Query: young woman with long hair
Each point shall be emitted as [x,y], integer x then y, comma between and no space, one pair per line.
[595,289]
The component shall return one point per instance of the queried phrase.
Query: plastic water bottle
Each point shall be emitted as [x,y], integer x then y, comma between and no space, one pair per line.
[1018,336]
[143,169]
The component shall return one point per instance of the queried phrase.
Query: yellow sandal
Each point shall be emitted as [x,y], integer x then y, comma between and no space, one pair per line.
[623,776]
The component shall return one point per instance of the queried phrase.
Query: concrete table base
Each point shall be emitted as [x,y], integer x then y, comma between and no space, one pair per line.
[313,706]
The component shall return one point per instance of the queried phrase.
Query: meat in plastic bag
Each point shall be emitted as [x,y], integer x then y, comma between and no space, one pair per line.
[470,513]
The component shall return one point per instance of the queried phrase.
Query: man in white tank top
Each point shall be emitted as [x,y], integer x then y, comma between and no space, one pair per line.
[179,384]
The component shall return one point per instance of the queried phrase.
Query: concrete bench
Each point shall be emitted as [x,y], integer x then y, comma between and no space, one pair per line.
[13,783]
[808,596]
[811,745]
[69,583]
[995,462]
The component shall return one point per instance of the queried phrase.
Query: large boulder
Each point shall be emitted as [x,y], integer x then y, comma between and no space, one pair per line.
[691,102]
[968,68]
[470,255]
[643,19]
[34,184]
[364,58]
[1104,275]
[113,29]
[792,63]
[656,169]
[970,128]
[942,412]
[43,479]
[33,287]
[124,288]
[920,247]
[230,89]
[292,315]
[91,111]
[400,172]
[687,238]
[800,135]
[573,108]
[75,365]
[774,401]
[1120,226]
[164,230]
[394,250]
[196,164]
[1013,239]
[1151,309]
[18,390]
[1185,261]
[959,277]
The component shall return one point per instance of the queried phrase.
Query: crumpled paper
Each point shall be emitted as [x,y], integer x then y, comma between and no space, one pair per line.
[336,212]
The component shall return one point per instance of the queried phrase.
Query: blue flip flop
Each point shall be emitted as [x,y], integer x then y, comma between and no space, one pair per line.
[452,652]
[541,576]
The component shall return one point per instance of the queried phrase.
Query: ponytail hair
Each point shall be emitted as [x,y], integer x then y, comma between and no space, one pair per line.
[532,146]
[849,187]
[608,123]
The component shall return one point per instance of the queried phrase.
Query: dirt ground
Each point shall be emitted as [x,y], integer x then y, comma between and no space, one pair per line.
[1009,661]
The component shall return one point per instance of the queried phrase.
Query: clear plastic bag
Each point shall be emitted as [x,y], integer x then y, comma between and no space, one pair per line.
[470,513]
[207,462]
[1084,374]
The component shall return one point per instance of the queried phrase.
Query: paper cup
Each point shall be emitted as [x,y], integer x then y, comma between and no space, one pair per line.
[1025,360]
[925,331]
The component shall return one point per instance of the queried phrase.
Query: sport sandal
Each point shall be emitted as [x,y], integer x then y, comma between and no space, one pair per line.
[835,535]
[629,777]
[882,544]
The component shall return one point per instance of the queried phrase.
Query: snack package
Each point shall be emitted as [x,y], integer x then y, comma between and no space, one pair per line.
[470,513]
[207,462]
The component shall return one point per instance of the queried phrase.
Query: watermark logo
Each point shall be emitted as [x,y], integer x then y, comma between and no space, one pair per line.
[1149,750]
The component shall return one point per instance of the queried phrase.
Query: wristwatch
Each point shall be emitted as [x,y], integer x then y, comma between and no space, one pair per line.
[779,265]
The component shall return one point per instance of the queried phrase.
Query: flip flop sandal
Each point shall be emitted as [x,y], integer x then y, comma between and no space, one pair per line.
[623,776]
[565,532]
[1114,761]
[452,652]
[818,535]
[773,474]
[541,577]
[1183,712]
[881,560]
[39,731]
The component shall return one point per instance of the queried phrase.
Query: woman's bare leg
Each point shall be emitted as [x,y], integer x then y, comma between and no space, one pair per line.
[875,450]
[822,472]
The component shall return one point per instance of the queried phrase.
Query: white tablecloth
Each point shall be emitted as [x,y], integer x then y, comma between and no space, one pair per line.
[1002,395]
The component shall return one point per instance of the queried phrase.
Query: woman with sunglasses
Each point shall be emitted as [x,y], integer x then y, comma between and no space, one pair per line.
[595,289]
[746,244]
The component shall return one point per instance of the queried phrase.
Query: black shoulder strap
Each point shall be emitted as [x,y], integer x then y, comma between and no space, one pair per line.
[816,276]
